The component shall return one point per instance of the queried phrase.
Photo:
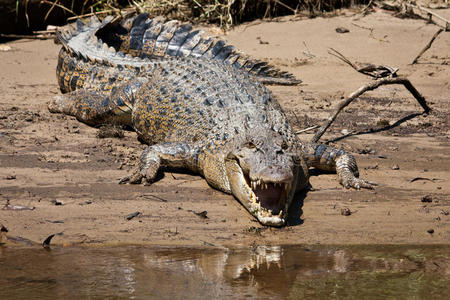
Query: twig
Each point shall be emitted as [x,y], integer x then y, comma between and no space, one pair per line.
[366,9]
[25,36]
[371,35]
[58,5]
[337,54]
[123,13]
[308,53]
[368,87]
[363,27]
[368,69]
[50,30]
[427,46]
[50,10]
[26,14]
[90,14]
[307,129]
[153,196]
[286,6]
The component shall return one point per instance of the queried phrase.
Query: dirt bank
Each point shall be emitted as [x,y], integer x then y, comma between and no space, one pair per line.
[60,166]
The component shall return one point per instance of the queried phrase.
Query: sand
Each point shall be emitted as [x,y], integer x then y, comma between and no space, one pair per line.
[70,176]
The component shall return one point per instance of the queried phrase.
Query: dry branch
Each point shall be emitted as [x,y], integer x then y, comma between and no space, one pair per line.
[367,69]
[430,15]
[307,129]
[53,4]
[369,87]
[28,36]
[427,46]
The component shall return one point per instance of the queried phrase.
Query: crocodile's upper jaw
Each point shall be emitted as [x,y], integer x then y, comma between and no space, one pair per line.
[267,201]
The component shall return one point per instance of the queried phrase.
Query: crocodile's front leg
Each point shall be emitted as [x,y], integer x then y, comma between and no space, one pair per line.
[170,155]
[328,158]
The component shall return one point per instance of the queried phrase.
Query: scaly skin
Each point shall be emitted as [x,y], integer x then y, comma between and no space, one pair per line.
[200,114]
[153,38]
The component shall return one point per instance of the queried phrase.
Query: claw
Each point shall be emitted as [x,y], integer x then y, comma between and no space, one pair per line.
[124,180]
[358,183]
[135,178]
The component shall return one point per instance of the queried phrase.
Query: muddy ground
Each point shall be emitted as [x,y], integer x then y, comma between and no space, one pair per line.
[69,175]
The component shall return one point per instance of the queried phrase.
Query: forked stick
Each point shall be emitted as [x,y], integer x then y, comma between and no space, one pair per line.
[369,87]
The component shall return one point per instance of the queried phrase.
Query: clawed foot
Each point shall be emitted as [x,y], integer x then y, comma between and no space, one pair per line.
[147,170]
[55,105]
[358,183]
[145,176]
[135,178]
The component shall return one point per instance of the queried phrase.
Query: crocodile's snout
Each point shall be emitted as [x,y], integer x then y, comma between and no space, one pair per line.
[273,173]
[264,180]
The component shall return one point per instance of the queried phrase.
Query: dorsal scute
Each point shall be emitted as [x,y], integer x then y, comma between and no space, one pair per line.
[151,38]
[94,22]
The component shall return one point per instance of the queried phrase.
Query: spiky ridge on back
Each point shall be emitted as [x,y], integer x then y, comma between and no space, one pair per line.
[224,101]
[143,37]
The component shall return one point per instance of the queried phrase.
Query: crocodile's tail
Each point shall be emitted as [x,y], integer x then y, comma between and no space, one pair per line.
[81,41]
[148,38]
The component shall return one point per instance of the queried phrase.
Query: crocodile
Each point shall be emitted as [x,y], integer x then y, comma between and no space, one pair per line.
[197,113]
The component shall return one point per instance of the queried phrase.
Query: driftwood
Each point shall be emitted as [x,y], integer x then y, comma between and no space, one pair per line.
[430,14]
[427,46]
[366,69]
[408,9]
[368,87]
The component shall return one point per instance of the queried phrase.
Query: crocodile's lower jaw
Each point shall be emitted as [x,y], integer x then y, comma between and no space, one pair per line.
[243,192]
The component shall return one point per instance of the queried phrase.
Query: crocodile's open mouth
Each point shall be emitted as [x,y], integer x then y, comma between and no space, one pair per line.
[269,196]
[267,201]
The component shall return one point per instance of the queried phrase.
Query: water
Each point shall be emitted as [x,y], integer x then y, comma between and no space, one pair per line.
[263,272]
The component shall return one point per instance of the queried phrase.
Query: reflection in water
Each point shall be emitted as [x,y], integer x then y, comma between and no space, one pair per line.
[286,272]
